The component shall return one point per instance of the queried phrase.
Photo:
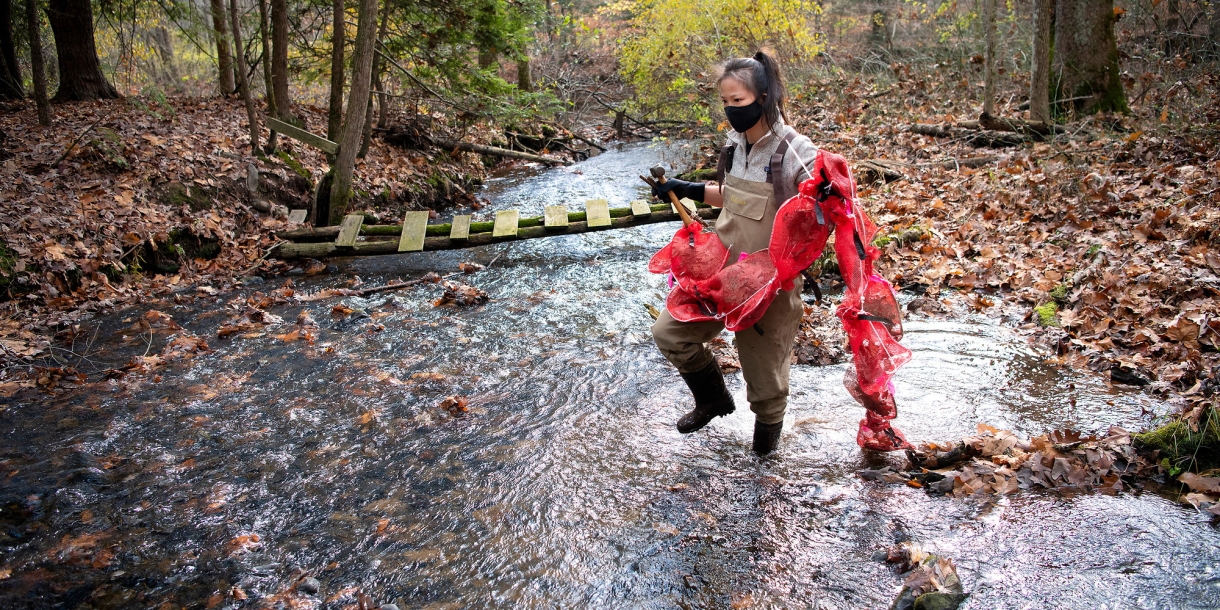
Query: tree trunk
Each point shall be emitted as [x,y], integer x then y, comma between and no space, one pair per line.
[1213,24]
[989,57]
[264,31]
[524,82]
[224,61]
[160,38]
[80,71]
[10,70]
[877,35]
[338,38]
[487,57]
[37,65]
[366,138]
[279,60]
[1086,56]
[1040,79]
[357,108]
[240,57]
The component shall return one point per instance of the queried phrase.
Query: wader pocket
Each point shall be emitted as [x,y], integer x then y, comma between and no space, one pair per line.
[744,203]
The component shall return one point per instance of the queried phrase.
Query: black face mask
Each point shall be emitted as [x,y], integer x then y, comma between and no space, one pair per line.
[743,117]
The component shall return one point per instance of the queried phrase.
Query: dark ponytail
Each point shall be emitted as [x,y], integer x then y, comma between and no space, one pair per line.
[762,77]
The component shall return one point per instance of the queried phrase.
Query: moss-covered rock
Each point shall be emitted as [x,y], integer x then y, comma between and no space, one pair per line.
[176,194]
[1184,448]
[1046,314]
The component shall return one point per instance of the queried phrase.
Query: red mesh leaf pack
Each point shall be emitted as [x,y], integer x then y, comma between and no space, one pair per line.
[685,307]
[745,290]
[798,238]
[695,257]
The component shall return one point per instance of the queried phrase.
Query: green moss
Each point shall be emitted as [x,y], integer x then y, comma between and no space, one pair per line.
[1092,251]
[1182,448]
[1046,314]
[293,164]
[177,194]
[8,267]
[906,236]
[184,244]
[1059,293]
[707,173]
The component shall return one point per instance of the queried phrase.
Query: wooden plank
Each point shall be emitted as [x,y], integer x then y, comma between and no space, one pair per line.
[556,216]
[297,215]
[640,207]
[349,230]
[414,225]
[460,229]
[297,133]
[689,203]
[597,212]
[506,223]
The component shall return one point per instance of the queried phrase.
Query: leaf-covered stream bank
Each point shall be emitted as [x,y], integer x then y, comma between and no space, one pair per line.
[227,477]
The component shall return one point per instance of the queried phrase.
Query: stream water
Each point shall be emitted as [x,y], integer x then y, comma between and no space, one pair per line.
[228,478]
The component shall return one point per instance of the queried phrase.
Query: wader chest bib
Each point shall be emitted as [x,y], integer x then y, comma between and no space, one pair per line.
[745,222]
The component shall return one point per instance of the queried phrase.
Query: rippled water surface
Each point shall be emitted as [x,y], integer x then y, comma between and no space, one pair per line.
[565,484]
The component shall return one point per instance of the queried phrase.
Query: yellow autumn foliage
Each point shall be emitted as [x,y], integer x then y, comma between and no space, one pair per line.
[674,45]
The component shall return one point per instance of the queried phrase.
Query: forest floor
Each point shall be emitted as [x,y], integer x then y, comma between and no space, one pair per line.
[1104,239]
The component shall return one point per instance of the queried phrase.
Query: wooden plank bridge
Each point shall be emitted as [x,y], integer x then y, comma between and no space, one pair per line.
[354,238]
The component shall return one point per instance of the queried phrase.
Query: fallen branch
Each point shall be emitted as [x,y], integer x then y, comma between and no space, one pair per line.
[981,137]
[79,138]
[878,170]
[499,152]
[430,278]
[987,121]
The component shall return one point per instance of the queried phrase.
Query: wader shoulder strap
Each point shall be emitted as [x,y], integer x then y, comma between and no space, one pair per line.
[777,164]
[725,163]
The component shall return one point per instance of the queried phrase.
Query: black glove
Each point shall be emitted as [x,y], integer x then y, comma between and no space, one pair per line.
[683,189]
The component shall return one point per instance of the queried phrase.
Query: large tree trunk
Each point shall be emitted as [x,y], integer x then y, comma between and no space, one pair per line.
[10,70]
[37,65]
[338,38]
[1086,56]
[357,108]
[989,57]
[264,31]
[366,138]
[243,82]
[224,61]
[279,60]
[1040,79]
[80,71]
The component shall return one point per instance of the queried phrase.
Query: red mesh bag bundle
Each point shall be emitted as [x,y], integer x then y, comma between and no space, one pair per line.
[745,290]
[740,294]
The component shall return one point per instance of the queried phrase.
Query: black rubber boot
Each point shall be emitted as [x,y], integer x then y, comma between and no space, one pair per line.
[712,398]
[766,437]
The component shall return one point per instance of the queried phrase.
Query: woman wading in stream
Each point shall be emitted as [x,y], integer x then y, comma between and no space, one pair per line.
[753,92]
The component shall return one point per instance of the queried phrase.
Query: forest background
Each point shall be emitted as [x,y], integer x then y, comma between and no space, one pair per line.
[1057,160]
